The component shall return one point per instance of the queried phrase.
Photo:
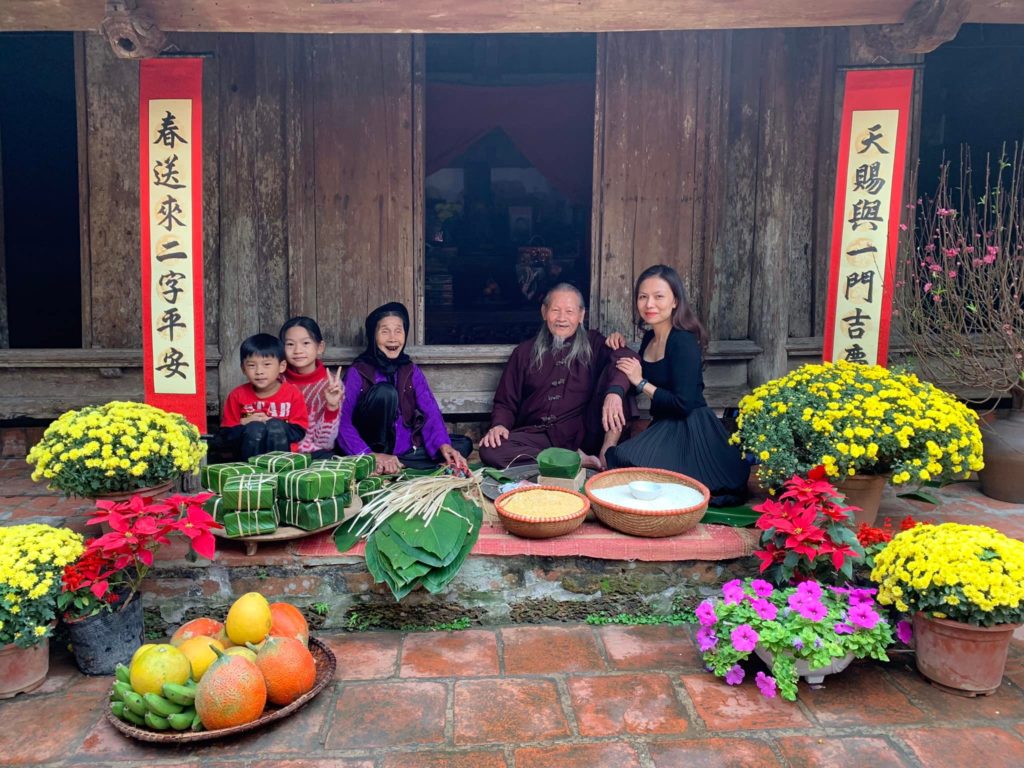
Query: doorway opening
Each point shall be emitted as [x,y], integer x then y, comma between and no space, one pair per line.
[39,221]
[509,124]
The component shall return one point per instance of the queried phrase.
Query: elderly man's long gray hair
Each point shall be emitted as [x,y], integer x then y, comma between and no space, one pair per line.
[546,341]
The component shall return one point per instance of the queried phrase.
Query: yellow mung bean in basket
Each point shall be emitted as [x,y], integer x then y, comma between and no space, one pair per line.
[542,504]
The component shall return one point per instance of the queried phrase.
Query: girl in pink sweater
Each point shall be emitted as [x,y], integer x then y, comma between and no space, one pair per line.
[303,347]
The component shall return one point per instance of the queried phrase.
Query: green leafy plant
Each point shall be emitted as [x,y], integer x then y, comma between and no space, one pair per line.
[321,609]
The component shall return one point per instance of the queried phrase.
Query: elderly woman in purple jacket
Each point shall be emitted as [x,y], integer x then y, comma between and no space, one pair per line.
[389,410]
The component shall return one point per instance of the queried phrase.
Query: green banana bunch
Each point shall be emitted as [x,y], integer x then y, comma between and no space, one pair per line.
[135,704]
[118,691]
[182,695]
[183,720]
[160,706]
[156,722]
[122,674]
[130,717]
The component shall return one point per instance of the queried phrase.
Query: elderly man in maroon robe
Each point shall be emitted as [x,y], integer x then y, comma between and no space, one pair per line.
[560,389]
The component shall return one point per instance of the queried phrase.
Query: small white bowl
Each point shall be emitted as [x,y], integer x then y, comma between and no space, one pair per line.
[642,489]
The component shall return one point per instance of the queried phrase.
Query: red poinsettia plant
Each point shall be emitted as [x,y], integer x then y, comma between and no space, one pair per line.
[113,566]
[807,533]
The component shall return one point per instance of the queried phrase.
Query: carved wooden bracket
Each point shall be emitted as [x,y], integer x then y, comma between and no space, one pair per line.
[131,32]
[928,24]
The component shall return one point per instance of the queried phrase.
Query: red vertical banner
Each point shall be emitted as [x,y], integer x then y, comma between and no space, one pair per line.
[866,217]
[171,198]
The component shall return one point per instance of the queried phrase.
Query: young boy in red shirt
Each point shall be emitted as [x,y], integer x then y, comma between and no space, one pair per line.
[266,414]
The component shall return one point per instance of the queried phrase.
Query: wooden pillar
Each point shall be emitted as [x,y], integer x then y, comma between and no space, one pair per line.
[769,280]
[5,337]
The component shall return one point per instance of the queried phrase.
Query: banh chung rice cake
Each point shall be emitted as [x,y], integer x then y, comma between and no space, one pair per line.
[542,504]
[672,496]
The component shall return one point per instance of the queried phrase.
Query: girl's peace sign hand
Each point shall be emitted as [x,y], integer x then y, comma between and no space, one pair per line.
[333,392]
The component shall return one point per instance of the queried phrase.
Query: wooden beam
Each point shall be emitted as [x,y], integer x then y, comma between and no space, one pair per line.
[929,24]
[411,16]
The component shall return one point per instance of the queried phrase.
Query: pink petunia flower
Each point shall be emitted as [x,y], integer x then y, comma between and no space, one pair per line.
[706,639]
[815,611]
[733,591]
[843,629]
[765,684]
[761,587]
[706,613]
[904,632]
[744,638]
[863,615]
[765,609]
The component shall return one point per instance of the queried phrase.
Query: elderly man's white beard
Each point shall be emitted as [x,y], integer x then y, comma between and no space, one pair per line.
[558,342]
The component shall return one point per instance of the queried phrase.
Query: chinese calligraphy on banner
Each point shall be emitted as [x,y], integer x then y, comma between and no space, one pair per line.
[171,194]
[869,190]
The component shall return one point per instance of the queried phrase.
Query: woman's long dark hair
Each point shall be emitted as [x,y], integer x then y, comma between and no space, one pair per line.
[683,316]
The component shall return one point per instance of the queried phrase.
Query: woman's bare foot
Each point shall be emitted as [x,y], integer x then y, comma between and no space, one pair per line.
[589,462]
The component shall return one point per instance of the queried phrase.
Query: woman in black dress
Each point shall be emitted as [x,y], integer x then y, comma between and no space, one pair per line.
[686,436]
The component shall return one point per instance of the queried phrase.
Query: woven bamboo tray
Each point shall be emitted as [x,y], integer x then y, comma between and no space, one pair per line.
[531,527]
[647,523]
[325,666]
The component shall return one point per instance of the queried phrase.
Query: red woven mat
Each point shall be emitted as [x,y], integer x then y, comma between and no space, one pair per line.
[705,542]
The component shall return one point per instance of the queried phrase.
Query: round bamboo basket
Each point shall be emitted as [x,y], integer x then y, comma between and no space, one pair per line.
[647,523]
[531,527]
[325,666]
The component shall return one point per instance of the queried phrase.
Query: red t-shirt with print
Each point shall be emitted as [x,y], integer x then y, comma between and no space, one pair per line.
[287,404]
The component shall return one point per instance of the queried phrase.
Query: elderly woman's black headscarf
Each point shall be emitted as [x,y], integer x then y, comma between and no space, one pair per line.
[373,354]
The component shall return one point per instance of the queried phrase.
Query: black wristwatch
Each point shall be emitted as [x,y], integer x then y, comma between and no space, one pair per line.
[639,388]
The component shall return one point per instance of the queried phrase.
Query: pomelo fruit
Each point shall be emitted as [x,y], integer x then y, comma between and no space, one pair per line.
[288,668]
[241,650]
[158,665]
[200,654]
[139,651]
[232,692]
[201,626]
[249,619]
[288,621]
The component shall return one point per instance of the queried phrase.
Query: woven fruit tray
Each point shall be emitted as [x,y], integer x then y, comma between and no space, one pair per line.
[325,666]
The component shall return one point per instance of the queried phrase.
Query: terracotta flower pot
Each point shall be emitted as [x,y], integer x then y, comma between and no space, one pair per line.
[149,492]
[865,492]
[23,669]
[1003,475]
[961,658]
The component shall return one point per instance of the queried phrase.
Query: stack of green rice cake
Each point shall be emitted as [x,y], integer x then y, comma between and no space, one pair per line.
[312,498]
[246,505]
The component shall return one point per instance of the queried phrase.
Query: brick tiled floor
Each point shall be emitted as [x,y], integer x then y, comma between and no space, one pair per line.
[548,696]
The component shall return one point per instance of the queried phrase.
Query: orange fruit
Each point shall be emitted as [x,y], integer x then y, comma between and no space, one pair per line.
[200,654]
[158,665]
[201,626]
[248,619]
[288,668]
[288,621]
[232,692]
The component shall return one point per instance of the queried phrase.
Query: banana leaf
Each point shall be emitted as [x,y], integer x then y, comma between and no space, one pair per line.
[405,567]
[438,579]
[345,536]
[440,537]
[437,543]
[380,570]
[559,462]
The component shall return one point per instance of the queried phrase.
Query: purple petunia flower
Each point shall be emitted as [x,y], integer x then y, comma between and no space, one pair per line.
[904,632]
[706,613]
[765,684]
[764,609]
[798,643]
[843,629]
[744,638]
[863,615]
[761,587]
[706,639]
[815,611]
[735,675]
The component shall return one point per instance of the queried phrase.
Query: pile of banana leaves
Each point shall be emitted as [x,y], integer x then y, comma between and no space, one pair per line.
[406,552]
